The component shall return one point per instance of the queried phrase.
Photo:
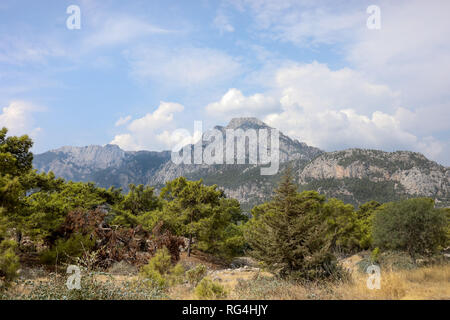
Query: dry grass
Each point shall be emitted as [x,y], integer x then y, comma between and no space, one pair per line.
[424,283]
[431,282]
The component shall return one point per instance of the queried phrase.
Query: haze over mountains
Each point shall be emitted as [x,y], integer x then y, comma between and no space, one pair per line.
[353,175]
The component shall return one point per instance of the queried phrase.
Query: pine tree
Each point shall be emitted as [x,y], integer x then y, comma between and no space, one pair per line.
[288,234]
[203,213]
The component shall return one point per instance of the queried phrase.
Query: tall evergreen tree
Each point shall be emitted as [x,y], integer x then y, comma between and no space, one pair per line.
[288,234]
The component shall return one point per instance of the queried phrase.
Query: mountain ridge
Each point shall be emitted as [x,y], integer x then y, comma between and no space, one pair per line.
[353,175]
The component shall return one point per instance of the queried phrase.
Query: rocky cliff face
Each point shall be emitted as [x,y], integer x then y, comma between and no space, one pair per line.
[354,175]
[76,162]
[410,173]
[106,165]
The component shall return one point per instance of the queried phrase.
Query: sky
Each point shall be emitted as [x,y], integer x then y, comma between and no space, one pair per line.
[137,70]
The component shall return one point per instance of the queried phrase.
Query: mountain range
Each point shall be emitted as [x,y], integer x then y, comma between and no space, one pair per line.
[353,175]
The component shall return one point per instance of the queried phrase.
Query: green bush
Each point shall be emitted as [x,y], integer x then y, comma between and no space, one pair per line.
[208,289]
[156,278]
[176,274]
[412,225]
[160,270]
[195,275]
[161,262]
[68,249]
[9,261]
[375,255]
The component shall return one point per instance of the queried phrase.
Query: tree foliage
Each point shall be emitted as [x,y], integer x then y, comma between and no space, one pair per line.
[203,213]
[412,225]
[289,233]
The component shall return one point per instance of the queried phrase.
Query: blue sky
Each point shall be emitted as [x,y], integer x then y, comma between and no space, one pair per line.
[138,70]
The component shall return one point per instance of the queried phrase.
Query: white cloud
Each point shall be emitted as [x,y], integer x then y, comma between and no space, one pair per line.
[120,29]
[234,103]
[304,23]
[315,87]
[409,52]
[400,71]
[340,129]
[309,87]
[18,118]
[222,23]
[122,121]
[176,139]
[425,120]
[127,142]
[333,109]
[147,133]
[182,67]
[21,51]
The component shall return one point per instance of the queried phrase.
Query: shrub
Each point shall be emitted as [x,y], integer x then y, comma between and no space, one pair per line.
[157,279]
[375,255]
[55,288]
[161,262]
[160,270]
[208,289]
[9,261]
[412,225]
[195,275]
[176,274]
[67,249]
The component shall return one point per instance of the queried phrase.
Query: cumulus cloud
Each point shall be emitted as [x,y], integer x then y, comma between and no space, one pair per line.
[147,133]
[183,67]
[409,52]
[178,138]
[340,129]
[315,87]
[123,120]
[399,72]
[312,88]
[234,103]
[18,118]
[332,109]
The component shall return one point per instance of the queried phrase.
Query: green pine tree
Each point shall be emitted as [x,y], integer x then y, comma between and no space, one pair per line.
[288,234]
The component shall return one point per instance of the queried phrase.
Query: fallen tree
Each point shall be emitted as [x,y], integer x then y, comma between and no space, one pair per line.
[114,244]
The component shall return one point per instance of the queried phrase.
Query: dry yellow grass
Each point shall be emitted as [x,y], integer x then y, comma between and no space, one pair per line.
[423,283]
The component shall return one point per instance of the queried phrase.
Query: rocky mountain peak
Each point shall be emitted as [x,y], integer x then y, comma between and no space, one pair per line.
[246,123]
[93,155]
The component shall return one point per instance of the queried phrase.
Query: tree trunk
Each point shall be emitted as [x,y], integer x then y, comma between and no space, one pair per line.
[189,245]
[19,237]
